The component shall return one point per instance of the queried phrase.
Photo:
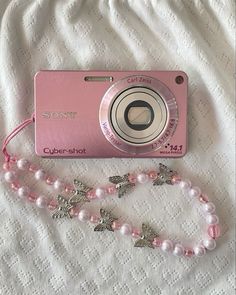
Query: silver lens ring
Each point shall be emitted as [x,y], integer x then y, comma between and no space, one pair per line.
[126,114]
[144,96]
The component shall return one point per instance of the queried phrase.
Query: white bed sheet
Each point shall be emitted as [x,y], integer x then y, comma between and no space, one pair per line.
[39,255]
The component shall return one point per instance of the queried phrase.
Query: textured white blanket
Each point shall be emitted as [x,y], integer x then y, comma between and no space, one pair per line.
[39,255]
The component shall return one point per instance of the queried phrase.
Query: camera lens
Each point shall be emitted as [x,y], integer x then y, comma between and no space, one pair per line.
[139,115]
[133,117]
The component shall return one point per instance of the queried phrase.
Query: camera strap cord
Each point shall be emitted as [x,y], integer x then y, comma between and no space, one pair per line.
[70,201]
[13,134]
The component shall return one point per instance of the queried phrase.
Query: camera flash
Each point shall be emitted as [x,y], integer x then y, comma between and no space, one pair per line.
[98,78]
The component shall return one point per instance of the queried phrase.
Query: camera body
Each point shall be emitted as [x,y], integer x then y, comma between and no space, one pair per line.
[103,114]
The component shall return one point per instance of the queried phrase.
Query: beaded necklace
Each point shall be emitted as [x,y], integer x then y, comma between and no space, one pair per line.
[70,201]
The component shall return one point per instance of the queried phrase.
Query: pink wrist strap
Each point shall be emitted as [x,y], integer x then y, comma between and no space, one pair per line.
[13,134]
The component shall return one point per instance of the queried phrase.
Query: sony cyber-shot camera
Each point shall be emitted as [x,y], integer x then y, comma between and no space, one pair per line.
[104,114]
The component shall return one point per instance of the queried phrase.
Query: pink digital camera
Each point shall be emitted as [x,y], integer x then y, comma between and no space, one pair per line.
[105,114]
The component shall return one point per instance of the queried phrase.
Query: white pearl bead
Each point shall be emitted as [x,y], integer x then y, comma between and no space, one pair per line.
[58,185]
[199,251]
[195,192]
[142,178]
[178,250]
[10,176]
[167,246]
[40,174]
[210,244]
[100,192]
[126,229]
[41,201]
[23,192]
[185,184]
[212,219]
[209,207]
[23,164]
[84,215]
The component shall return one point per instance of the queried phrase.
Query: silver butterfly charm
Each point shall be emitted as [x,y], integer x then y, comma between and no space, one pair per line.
[147,237]
[63,209]
[65,205]
[106,221]
[122,184]
[164,176]
[80,192]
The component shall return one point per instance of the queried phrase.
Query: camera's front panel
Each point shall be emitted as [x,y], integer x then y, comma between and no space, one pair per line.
[110,114]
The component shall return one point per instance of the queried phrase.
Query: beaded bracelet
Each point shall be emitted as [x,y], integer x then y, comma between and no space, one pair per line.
[71,199]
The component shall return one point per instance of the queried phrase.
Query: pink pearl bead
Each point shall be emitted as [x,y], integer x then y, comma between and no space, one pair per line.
[185,184]
[176,179]
[142,178]
[167,246]
[178,250]
[212,219]
[116,225]
[132,178]
[33,168]
[6,166]
[94,218]
[209,244]
[41,202]
[91,195]
[188,252]
[59,185]
[84,215]
[52,205]
[157,242]
[111,189]
[203,198]
[136,233]
[23,192]
[100,192]
[199,250]
[75,211]
[40,174]
[50,180]
[152,175]
[23,164]
[214,231]
[126,229]
[195,192]
[10,176]
[32,197]
[209,207]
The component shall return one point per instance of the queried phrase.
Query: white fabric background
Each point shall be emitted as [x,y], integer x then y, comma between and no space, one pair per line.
[41,256]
